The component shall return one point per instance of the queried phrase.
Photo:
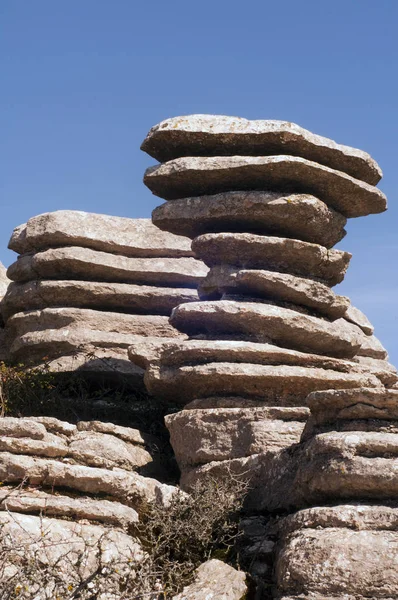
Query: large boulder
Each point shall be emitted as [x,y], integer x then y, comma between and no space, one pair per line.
[216,135]
[300,216]
[195,176]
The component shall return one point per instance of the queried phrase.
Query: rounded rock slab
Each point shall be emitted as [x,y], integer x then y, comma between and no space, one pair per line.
[215,135]
[283,326]
[300,216]
[273,286]
[195,176]
[251,251]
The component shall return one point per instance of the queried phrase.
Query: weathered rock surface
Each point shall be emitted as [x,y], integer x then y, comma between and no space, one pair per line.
[143,351]
[285,255]
[130,237]
[269,323]
[372,347]
[195,176]
[92,294]
[215,135]
[75,550]
[274,286]
[215,580]
[356,316]
[274,385]
[4,281]
[206,435]
[293,215]
[90,321]
[382,368]
[87,264]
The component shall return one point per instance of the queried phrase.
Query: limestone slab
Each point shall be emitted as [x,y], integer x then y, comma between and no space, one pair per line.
[195,176]
[91,294]
[283,326]
[215,579]
[356,316]
[300,216]
[251,251]
[372,347]
[205,435]
[89,320]
[275,385]
[216,135]
[130,237]
[274,286]
[92,265]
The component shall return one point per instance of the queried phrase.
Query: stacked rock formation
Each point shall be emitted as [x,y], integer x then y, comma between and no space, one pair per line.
[4,282]
[265,202]
[84,283]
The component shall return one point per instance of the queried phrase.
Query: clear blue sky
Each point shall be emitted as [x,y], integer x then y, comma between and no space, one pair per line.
[82,81]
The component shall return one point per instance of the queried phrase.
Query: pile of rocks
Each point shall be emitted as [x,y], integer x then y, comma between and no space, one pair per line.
[4,282]
[84,283]
[265,201]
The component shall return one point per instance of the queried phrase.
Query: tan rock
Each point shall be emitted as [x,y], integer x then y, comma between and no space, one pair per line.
[90,320]
[195,176]
[215,135]
[215,579]
[300,216]
[206,435]
[275,385]
[83,263]
[372,348]
[285,255]
[337,552]
[54,425]
[354,315]
[283,326]
[91,294]
[127,434]
[22,428]
[274,286]
[385,371]
[107,451]
[50,446]
[118,235]
[126,486]
[35,501]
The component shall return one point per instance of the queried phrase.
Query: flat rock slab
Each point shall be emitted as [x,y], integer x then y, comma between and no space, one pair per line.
[372,347]
[215,579]
[217,135]
[285,255]
[283,326]
[300,216]
[205,435]
[278,385]
[387,372]
[130,237]
[369,557]
[273,286]
[173,353]
[90,294]
[356,316]
[90,320]
[92,265]
[195,176]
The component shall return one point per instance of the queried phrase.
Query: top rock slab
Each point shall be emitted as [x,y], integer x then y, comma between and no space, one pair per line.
[196,176]
[129,237]
[217,135]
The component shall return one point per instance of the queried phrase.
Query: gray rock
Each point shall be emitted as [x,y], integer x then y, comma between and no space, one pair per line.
[195,176]
[129,237]
[338,552]
[354,315]
[274,286]
[285,255]
[4,281]
[269,323]
[96,449]
[300,216]
[91,294]
[83,263]
[215,135]
[90,320]
[206,435]
[278,385]
[127,434]
[215,580]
